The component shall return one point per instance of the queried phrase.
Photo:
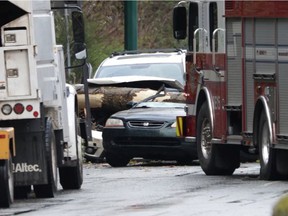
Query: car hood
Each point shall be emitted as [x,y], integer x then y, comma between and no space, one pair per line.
[137,82]
[166,114]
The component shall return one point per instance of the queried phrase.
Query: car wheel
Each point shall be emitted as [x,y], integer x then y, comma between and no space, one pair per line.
[116,160]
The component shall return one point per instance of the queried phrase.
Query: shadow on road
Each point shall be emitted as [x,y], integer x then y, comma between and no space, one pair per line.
[146,163]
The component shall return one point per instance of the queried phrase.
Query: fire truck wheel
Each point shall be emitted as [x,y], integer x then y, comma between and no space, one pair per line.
[6,183]
[267,155]
[116,160]
[48,190]
[213,159]
[205,149]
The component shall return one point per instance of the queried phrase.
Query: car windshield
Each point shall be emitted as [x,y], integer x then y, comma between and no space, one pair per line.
[167,70]
[152,104]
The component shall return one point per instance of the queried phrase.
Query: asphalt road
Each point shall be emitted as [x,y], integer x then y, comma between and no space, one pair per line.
[159,189]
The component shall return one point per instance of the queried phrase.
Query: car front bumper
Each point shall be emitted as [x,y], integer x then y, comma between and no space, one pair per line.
[149,144]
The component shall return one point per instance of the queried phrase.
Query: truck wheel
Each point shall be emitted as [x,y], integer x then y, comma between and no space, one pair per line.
[267,155]
[48,190]
[6,183]
[72,177]
[214,160]
[115,160]
[21,192]
[205,149]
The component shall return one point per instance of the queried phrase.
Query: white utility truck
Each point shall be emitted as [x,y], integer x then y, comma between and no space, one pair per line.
[39,126]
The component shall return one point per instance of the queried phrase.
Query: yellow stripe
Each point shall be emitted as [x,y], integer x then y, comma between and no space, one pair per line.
[179,126]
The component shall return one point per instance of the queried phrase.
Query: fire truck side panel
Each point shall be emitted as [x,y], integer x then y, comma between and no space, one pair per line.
[249,70]
[234,77]
[234,63]
[265,80]
[246,9]
[282,75]
[204,26]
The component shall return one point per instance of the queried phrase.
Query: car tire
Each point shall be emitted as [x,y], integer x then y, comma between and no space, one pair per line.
[116,160]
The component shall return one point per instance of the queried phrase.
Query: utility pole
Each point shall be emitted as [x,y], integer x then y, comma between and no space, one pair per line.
[131,24]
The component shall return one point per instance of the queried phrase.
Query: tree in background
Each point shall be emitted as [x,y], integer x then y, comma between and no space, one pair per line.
[104,22]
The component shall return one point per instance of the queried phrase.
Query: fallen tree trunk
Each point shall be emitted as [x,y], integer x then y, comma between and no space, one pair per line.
[105,101]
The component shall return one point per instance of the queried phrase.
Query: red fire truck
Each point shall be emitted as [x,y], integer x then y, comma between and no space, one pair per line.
[237,68]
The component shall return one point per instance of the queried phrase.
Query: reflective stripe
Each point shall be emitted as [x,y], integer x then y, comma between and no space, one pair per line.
[179,126]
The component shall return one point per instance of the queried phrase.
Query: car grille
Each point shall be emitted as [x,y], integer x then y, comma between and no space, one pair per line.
[145,124]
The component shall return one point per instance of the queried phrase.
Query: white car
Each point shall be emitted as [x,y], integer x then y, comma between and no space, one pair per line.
[158,65]
[135,69]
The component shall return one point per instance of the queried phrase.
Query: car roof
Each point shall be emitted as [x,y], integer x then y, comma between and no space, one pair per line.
[128,58]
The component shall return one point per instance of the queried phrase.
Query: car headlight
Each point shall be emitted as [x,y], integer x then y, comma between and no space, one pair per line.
[174,125]
[112,122]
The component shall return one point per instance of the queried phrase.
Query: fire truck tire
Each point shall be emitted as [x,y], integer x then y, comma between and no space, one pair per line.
[205,149]
[267,155]
[6,183]
[48,190]
[116,160]
[212,158]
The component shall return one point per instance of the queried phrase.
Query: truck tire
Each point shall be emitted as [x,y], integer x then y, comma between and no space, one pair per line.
[116,160]
[48,190]
[214,159]
[21,192]
[72,177]
[267,155]
[6,183]
[205,149]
